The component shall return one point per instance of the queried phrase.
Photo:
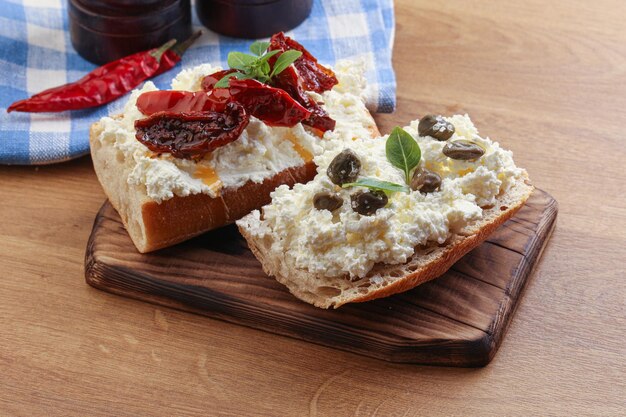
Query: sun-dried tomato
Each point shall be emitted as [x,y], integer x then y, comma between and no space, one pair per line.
[210,80]
[271,105]
[191,135]
[178,102]
[289,81]
[315,76]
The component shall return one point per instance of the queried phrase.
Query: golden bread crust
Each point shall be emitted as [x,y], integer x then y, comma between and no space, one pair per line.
[153,225]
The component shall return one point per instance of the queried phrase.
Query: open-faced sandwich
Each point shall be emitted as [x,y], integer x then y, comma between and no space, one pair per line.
[382,216]
[179,162]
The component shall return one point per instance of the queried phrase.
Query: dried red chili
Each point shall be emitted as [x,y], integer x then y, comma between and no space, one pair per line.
[315,76]
[271,105]
[191,135]
[106,83]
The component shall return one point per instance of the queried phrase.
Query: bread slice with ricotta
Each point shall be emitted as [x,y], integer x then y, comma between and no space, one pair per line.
[332,258]
[163,200]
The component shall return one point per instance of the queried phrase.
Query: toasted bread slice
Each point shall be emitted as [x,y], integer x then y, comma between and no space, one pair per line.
[156,220]
[154,225]
[426,264]
[330,257]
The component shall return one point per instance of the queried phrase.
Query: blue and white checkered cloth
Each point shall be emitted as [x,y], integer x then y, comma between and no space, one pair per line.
[36,54]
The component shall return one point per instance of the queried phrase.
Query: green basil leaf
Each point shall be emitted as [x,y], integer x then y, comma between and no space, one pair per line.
[267,56]
[258,47]
[284,60]
[374,184]
[265,67]
[223,82]
[240,61]
[260,75]
[402,151]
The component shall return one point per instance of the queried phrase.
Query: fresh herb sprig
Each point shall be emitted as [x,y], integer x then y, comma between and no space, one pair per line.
[257,66]
[403,151]
[378,185]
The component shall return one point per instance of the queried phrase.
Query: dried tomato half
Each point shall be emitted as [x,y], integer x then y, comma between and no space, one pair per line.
[191,135]
[210,80]
[289,81]
[315,76]
[271,105]
[178,102]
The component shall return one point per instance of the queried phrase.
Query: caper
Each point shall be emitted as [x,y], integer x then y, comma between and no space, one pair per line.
[344,167]
[436,127]
[327,201]
[425,181]
[463,150]
[368,202]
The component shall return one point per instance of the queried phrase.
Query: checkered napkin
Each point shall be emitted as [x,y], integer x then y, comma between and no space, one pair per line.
[36,54]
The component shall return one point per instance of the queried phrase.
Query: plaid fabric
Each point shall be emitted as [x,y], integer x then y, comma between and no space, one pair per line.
[36,54]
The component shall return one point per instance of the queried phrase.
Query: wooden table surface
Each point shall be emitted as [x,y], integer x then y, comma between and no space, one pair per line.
[547,79]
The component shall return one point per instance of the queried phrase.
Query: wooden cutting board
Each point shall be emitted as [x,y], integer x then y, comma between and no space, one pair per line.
[458,319]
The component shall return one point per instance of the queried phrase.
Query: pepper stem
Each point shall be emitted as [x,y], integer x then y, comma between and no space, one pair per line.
[158,52]
[180,48]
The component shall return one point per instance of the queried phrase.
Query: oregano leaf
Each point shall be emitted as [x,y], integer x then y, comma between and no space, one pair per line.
[284,60]
[267,56]
[240,61]
[223,82]
[258,47]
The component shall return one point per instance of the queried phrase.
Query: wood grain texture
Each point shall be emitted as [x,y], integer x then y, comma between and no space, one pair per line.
[545,79]
[457,320]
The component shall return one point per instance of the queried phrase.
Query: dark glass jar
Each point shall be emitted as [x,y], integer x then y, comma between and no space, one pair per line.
[105,30]
[252,18]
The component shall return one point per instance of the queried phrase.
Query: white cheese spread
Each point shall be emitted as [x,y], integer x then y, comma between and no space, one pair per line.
[259,153]
[344,242]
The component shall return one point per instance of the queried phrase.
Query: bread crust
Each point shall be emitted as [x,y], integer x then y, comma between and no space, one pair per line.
[152,225]
[426,264]
[450,254]
[180,218]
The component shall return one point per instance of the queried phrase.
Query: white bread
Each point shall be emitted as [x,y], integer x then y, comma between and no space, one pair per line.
[427,263]
[152,225]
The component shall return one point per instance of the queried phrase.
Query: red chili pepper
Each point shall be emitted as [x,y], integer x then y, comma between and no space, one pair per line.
[172,56]
[104,84]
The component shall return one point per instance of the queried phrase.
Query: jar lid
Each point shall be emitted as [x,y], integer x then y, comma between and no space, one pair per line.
[255,2]
[252,18]
[124,7]
[116,16]
[105,30]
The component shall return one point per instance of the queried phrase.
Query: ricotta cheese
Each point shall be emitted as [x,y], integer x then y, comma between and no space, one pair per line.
[259,153]
[344,242]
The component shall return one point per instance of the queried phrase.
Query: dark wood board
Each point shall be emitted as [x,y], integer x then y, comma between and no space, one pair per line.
[458,319]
